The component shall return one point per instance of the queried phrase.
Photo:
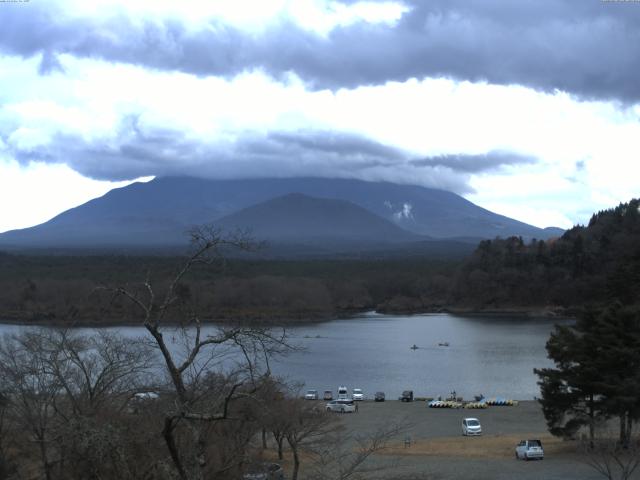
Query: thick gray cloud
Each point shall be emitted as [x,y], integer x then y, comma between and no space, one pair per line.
[590,48]
[139,151]
[475,163]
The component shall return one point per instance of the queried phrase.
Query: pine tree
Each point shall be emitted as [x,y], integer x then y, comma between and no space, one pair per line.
[570,394]
[596,374]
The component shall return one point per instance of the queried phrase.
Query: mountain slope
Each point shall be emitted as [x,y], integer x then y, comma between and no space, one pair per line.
[159,212]
[300,218]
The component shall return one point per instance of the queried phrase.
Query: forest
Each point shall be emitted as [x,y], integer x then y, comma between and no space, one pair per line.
[588,266]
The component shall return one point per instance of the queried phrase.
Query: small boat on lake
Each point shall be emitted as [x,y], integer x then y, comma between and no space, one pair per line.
[414,347]
[443,344]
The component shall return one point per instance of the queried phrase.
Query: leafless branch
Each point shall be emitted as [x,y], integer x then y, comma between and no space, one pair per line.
[610,459]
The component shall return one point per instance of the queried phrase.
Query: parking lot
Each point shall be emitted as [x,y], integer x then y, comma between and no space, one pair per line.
[438,450]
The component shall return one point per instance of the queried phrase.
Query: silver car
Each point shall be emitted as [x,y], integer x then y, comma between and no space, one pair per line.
[341,406]
[529,449]
[471,426]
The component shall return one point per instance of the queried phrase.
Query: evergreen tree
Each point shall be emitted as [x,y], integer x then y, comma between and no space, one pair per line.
[596,374]
[570,394]
[618,361]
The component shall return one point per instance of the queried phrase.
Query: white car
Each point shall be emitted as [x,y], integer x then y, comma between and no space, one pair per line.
[311,395]
[357,394]
[343,393]
[471,426]
[529,449]
[341,406]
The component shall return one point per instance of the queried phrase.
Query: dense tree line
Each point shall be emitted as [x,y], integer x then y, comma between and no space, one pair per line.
[62,289]
[588,265]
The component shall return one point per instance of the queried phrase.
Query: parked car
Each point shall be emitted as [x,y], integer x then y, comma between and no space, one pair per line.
[144,396]
[341,406]
[141,401]
[263,471]
[379,397]
[343,393]
[529,449]
[471,426]
[357,394]
[311,395]
[328,395]
[407,396]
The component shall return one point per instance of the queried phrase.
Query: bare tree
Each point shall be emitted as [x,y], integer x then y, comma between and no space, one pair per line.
[32,393]
[95,371]
[307,425]
[64,393]
[187,362]
[610,458]
[341,456]
[5,466]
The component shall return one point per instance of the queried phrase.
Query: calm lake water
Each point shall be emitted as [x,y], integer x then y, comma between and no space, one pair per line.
[494,356]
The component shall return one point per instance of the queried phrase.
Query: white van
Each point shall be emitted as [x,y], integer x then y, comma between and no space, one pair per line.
[343,393]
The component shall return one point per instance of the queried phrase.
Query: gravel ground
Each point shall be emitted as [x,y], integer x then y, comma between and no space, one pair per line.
[439,451]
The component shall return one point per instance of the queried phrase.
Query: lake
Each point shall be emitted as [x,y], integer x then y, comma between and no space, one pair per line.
[490,355]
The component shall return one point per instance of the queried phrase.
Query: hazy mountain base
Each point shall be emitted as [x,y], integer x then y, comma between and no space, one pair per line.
[587,266]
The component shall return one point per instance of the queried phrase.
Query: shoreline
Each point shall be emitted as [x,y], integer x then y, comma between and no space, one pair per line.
[526,313]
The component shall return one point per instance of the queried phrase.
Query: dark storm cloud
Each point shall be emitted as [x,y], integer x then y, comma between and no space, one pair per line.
[140,151]
[475,163]
[339,144]
[590,48]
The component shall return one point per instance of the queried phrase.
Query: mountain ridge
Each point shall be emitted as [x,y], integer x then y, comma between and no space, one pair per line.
[159,212]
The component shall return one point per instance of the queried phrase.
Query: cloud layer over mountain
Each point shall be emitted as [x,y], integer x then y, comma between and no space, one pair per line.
[530,108]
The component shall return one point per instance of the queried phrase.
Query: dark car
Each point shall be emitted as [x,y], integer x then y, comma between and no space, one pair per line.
[407,396]
[379,397]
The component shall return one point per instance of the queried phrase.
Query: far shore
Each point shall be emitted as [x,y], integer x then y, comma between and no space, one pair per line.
[283,321]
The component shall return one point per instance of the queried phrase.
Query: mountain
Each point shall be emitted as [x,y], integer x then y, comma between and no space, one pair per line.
[158,213]
[298,218]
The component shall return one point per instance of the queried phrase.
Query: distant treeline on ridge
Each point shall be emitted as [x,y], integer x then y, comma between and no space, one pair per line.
[587,266]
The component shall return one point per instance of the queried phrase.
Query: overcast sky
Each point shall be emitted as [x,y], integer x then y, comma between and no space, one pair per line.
[529,108]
